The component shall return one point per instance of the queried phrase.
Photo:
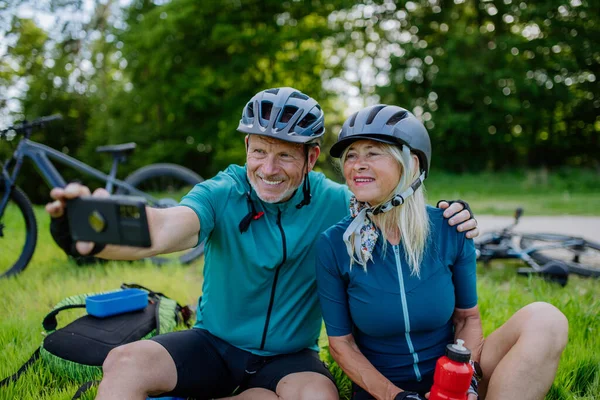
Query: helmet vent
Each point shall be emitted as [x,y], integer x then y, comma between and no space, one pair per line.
[320,130]
[374,113]
[353,119]
[298,95]
[265,109]
[287,113]
[272,91]
[397,117]
[250,110]
[306,121]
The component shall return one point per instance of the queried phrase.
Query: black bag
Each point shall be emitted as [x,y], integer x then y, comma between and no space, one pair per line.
[79,349]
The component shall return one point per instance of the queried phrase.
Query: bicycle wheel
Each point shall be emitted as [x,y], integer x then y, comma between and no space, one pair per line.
[18,232]
[168,183]
[581,257]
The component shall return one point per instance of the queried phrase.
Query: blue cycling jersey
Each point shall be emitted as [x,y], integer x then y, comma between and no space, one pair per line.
[259,290]
[400,322]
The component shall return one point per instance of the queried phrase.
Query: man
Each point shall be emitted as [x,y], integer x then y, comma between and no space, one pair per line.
[258,320]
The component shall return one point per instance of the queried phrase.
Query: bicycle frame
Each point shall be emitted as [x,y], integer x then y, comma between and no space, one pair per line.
[42,155]
[500,246]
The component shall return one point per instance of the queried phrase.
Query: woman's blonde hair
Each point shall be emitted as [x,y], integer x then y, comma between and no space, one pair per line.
[411,218]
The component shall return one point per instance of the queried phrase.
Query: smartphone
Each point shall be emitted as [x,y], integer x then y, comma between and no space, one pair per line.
[119,220]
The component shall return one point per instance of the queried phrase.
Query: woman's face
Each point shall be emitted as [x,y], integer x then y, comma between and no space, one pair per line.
[371,173]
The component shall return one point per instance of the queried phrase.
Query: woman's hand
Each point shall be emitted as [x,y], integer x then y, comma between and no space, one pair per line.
[471,396]
[409,396]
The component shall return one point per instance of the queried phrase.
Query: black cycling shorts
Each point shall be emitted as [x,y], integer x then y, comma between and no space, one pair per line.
[208,367]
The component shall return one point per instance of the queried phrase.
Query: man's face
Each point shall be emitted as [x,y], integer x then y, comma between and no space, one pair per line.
[276,168]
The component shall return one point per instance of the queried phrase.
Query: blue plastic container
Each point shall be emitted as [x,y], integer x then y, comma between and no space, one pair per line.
[118,302]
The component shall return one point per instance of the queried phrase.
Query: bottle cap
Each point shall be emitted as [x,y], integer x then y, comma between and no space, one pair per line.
[457,352]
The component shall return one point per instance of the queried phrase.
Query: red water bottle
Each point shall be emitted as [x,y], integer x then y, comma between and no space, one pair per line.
[453,372]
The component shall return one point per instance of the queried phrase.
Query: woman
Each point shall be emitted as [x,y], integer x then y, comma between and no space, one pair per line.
[396,284]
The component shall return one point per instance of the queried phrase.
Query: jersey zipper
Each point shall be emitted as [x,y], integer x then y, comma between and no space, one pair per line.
[405,312]
[272,300]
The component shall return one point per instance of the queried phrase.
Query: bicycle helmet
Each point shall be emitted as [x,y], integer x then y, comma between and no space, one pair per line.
[393,125]
[283,113]
[386,124]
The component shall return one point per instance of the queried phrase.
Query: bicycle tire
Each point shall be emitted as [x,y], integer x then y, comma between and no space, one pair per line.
[146,174]
[581,258]
[20,199]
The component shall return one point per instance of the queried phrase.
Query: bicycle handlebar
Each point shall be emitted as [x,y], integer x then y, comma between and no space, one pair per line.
[27,125]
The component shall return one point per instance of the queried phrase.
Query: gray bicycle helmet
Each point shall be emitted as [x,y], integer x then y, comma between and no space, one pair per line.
[386,124]
[283,113]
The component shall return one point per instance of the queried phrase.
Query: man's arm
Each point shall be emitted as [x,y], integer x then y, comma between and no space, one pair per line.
[171,229]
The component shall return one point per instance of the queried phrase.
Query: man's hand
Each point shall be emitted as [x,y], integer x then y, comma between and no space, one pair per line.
[56,209]
[458,215]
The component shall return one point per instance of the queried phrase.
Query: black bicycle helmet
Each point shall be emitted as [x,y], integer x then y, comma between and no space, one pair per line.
[386,124]
[283,113]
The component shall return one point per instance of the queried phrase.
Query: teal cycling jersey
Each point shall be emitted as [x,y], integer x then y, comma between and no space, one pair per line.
[401,322]
[259,291]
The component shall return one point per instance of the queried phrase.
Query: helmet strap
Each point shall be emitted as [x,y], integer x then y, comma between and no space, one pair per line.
[306,184]
[252,214]
[400,198]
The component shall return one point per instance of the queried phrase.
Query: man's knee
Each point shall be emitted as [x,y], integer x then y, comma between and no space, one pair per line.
[322,390]
[547,321]
[307,386]
[130,357]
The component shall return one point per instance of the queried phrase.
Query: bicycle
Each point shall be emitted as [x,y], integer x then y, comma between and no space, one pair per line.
[549,255]
[160,184]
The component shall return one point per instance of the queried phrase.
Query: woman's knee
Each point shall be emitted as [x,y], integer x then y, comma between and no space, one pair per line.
[545,320]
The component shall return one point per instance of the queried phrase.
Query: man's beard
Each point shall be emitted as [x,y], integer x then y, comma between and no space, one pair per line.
[287,194]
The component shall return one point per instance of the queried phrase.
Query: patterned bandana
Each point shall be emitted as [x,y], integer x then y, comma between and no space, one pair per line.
[364,230]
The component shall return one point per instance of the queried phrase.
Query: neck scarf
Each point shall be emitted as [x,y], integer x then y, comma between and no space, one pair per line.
[360,248]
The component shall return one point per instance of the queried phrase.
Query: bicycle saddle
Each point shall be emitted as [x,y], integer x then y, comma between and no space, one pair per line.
[117,149]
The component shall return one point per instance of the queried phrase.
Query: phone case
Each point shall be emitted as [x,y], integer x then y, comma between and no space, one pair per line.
[119,220]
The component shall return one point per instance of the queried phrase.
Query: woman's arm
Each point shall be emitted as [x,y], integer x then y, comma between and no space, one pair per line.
[467,326]
[346,353]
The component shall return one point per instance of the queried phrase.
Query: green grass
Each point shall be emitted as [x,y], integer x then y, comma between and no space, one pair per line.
[567,191]
[50,277]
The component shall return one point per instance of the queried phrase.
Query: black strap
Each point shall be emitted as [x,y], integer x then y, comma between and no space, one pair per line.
[50,323]
[24,367]
[184,310]
[84,388]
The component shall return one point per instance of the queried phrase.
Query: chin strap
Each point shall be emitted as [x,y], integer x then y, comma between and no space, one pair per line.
[252,214]
[306,185]
[399,199]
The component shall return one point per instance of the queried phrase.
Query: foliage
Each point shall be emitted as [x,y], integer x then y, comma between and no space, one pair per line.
[497,83]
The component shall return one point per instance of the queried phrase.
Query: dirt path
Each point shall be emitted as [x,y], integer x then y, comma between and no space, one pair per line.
[587,227]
